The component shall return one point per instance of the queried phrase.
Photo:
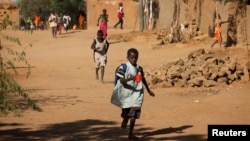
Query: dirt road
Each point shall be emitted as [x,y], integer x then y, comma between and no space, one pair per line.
[76,107]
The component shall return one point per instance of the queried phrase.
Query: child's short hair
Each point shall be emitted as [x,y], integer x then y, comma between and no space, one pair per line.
[132,50]
[99,32]
[104,10]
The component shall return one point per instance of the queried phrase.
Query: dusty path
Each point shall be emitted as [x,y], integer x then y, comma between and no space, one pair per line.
[76,107]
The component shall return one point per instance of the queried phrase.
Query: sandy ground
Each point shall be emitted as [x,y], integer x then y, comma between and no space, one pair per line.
[76,107]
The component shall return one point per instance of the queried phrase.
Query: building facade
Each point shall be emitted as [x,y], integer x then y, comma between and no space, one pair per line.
[9,10]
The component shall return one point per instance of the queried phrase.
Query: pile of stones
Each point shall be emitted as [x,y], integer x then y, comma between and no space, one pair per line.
[201,68]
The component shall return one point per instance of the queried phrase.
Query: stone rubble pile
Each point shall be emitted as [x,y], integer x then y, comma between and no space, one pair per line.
[179,33]
[200,69]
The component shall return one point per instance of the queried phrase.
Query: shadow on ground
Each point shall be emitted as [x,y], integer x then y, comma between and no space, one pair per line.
[87,130]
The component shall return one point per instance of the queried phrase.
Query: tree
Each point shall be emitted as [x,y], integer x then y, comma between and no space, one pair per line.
[29,7]
[13,98]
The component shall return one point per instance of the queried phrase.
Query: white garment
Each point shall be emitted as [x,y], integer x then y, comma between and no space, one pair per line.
[101,47]
[52,20]
[67,20]
[120,9]
[127,98]
[100,53]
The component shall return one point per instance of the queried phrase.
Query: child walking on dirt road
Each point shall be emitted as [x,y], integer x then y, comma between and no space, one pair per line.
[129,91]
[120,15]
[100,46]
[102,22]
[217,31]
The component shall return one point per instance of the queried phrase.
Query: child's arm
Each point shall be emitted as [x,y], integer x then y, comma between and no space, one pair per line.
[107,46]
[98,20]
[107,18]
[124,80]
[151,93]
[222,22]
[144,81]
[93,45]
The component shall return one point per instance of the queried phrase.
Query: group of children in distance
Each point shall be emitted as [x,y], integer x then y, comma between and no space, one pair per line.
[100,44]
[128,92]
[57,21]
[102,20]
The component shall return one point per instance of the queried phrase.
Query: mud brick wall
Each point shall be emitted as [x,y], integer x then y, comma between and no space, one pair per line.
[9,9]
[130,8]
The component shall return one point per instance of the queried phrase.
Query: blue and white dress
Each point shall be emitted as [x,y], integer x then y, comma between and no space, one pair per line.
[128,97]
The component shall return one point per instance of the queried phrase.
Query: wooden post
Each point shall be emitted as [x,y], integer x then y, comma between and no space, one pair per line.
[141,15]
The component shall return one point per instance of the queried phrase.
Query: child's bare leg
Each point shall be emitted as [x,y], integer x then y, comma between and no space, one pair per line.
[220,42]
[131,136]
[213,44]
[124,123]
[96,73]
[102,73]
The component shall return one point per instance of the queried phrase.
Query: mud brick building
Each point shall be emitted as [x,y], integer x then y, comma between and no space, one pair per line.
[9,9]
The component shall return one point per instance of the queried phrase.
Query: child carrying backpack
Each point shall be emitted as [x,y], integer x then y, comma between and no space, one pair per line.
[121,68]
[128,92]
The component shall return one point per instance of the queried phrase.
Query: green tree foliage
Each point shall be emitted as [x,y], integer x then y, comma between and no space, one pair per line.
[13,98]
[28,8]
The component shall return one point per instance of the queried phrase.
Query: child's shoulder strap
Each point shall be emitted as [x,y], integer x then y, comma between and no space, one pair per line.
[96,40]
[124,67]
[139,68]
[104,41]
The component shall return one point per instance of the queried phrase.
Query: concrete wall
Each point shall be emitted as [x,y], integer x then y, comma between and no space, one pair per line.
[8,8]
[95,7]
